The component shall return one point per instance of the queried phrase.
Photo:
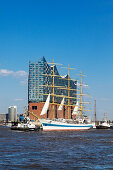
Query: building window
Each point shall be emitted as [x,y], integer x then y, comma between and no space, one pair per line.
[34,107]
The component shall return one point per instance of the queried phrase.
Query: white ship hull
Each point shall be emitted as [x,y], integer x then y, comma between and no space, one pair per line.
[49,125]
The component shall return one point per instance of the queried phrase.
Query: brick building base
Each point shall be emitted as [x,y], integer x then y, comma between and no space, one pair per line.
[53,112]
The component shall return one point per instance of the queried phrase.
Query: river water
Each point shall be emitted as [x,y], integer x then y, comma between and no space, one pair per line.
[92,149]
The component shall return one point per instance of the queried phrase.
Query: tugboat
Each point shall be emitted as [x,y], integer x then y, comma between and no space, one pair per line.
[25,125]
[104,125]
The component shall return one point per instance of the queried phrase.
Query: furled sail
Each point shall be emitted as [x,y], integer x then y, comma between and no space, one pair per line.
[75,111]
[46,106]
[61,105]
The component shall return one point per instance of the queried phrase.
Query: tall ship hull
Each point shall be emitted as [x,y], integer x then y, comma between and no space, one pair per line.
[49,125]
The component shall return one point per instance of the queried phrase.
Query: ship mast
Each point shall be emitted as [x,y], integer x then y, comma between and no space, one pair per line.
[59,87]
[68,87]
[53,85]
[81,95]
[95,111]
[81,106]
[68,91]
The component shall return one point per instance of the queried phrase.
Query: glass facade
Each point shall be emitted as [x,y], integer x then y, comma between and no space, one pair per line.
[40,80]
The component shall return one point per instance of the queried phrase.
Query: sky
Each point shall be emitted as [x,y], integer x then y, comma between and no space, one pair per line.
[78,33]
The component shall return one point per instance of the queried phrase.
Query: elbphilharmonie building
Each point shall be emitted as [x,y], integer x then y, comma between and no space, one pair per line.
[40,84]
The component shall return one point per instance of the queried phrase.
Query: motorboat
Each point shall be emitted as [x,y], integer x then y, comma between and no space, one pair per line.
[25,125]
[103,125]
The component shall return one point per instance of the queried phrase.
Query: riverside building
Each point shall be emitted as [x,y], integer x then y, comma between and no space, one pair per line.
[12,114]
[40,84]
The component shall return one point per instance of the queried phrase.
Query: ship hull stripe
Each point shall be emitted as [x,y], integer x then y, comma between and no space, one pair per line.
[68,126]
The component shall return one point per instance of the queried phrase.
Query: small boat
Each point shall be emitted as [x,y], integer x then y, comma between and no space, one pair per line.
[26,125]
[104,125]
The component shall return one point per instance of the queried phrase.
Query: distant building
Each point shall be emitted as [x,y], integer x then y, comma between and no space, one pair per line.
[3,117]
[39,83]
[12,113]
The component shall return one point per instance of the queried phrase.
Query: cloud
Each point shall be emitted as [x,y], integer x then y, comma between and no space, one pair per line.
[104,99]
[19,99]
[21,75]
[24,82]
[5,72]
[85,85]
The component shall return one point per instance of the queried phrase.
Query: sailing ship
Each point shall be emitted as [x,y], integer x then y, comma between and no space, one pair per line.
[61,124]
